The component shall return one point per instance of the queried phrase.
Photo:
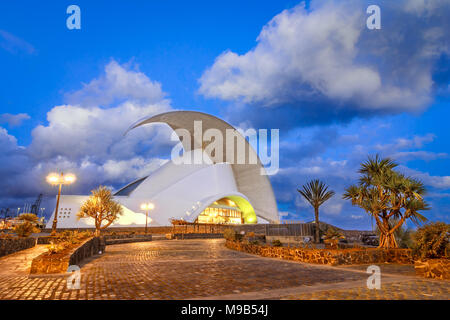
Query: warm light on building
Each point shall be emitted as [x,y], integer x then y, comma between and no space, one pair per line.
[223,211]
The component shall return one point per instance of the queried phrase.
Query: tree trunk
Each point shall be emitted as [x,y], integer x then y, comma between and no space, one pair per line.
[97,232]
[387,241]
[317,233]
[387,237]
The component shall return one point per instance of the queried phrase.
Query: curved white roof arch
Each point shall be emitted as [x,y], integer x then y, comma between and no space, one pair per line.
[250,181]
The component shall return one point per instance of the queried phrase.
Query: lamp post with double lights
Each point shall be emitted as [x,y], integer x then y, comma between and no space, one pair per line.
[59,179]
[147,207]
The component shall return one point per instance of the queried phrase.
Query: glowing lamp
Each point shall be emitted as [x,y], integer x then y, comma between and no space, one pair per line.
[69,178]
[147,206]
[53,178]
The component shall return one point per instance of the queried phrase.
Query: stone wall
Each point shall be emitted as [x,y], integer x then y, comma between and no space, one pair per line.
[91,247]
[58,263]
[45,239]
[8,246]
[198,228]
[186,236]
[327,256]
[110,240]
[297,240]
[433,268]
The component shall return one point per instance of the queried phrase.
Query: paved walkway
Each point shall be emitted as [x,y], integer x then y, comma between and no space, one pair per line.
[19,263]
[200,269]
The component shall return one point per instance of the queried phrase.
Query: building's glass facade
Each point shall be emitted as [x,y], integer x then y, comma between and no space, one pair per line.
[223,211]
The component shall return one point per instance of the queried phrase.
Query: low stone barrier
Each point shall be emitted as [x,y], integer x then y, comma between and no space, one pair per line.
[433,268]
[187,236]
[119,240]
[58,263]
[46,239]
[8,246]
[288,239]
[327,256]
[119,236]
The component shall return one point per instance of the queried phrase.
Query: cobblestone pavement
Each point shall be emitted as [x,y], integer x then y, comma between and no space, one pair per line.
[409,290]
[19,263]
[192,269]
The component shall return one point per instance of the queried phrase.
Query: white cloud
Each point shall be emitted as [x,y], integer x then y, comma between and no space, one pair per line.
[424,7]
[86,137]
[419,155]
[75,131]
[118,83]
[13,120]
[404,143]
[439,182]
[14,44]
[327,55]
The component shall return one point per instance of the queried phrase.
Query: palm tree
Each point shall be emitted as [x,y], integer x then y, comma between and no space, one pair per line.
[388,196]
[316,193]
[102,208]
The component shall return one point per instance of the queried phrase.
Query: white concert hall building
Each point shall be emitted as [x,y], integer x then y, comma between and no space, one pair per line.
[210,192]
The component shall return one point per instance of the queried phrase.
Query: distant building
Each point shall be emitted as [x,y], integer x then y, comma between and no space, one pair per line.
[210,192]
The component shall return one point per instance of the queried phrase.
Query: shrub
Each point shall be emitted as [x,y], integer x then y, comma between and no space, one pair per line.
[5,235]
[254,242]
[229,234]
[85,234]
[404,238]
[72,237]
[277,243]
[432,240]
[250,234]
[25,229]
[55,248]
[30,217]
[333,234]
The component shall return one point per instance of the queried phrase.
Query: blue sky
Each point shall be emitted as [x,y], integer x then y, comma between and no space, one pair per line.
[336,90]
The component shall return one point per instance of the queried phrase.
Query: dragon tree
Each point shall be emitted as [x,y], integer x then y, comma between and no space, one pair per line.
[390,197]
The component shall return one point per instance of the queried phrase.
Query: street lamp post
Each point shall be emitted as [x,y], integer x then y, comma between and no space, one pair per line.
[59,179]
[147,207]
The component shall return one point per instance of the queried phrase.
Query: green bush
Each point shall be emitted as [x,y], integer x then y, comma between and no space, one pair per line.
[404,238]
[277,243]
[333,234]
[25,229]
[432,241]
